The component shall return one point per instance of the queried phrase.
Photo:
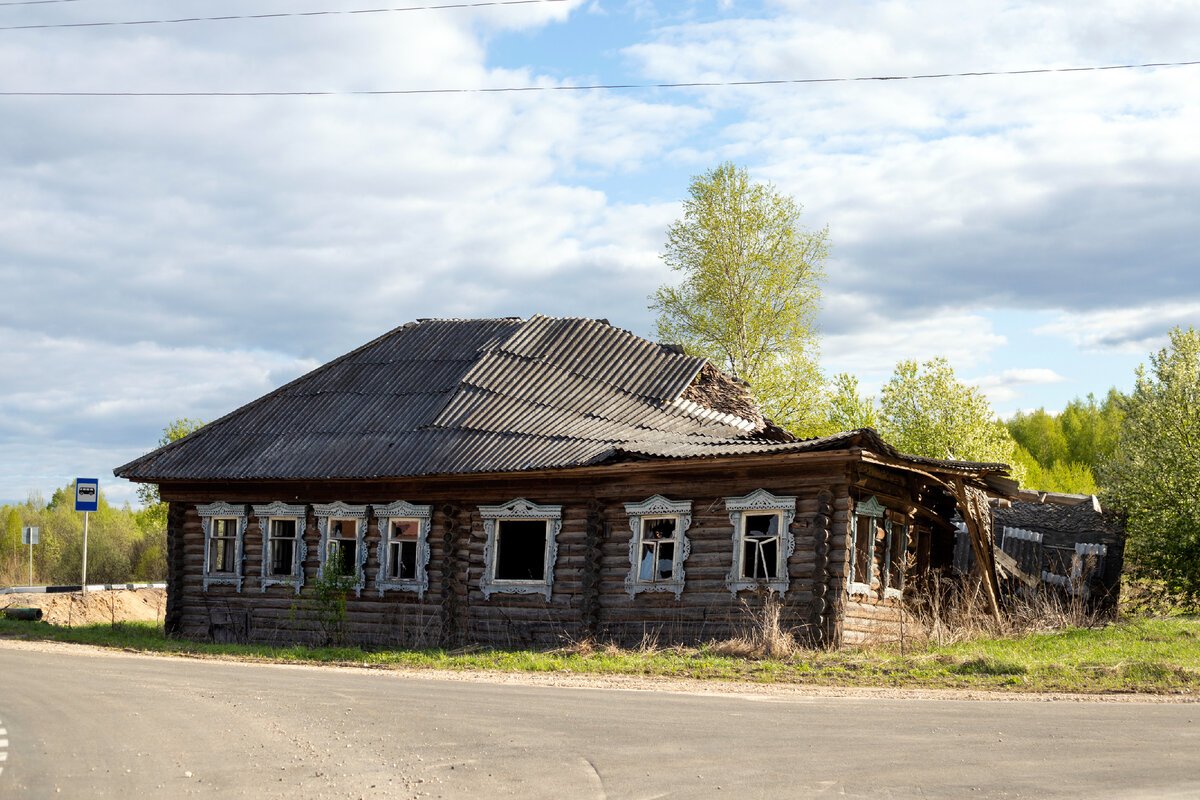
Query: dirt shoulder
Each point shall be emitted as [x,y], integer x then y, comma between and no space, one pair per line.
[85,608]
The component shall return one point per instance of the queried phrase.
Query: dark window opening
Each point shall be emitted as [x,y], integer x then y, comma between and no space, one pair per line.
[863,541]
[760,547]
[222,546]
[520,550]
[283,546]
[343,556]
[899,557]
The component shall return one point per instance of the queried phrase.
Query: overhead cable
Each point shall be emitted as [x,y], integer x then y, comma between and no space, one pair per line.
[227,17]
[602,86]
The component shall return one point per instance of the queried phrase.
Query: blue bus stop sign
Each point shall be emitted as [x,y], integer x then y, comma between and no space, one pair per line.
[87,494]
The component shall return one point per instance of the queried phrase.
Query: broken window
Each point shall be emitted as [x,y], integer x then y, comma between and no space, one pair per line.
[866,525]
[343,549]
[658,550]
[521,547]
[284,549]
[658,545]
[762,540]
[224,527]
[403,547]
[760,546]
[402,550]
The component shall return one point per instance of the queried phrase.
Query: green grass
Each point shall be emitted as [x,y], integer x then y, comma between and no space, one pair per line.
[1158,655]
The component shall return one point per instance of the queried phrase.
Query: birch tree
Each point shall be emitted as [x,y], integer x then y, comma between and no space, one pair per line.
[750,291]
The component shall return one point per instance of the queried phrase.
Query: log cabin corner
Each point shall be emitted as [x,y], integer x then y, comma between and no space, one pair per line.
[518,482]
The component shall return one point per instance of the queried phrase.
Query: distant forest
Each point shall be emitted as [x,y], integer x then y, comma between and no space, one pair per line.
[1062,452]
[124,545]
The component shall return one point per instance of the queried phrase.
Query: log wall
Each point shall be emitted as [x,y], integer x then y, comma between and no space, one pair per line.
[589,597]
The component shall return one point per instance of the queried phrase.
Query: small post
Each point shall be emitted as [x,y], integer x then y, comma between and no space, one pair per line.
[29,536]
[85,527]
[87,498]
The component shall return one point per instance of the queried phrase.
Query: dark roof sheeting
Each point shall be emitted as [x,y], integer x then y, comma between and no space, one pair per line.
[442,397]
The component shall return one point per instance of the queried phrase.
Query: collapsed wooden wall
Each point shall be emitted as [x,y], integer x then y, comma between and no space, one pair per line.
[589,596]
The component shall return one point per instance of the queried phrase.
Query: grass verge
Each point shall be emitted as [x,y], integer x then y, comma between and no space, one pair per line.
[1154,655]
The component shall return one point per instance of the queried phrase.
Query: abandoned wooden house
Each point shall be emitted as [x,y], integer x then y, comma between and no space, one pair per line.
[521,481]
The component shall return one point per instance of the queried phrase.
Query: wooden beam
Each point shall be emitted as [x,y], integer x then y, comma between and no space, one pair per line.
[974,513]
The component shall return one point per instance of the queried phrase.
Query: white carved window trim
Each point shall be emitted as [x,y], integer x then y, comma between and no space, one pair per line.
[650,509]
[761,501]
[869,508]
[521,509]
[324,513]
[222,510]
[278,510]
[397,512]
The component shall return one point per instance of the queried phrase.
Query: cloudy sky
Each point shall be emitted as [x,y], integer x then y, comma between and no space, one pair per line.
[168,256]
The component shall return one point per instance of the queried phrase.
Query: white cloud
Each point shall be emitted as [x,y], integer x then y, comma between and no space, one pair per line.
[1124,330]
[1005,387]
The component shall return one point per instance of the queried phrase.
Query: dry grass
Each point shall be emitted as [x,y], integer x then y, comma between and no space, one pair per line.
[954,611]
[763,636]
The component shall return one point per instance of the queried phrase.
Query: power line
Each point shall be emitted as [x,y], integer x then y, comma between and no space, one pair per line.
[601,86]
[448,6]
[36,2]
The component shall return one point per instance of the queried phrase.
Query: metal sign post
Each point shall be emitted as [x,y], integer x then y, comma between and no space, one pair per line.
[29,536]
[87,498]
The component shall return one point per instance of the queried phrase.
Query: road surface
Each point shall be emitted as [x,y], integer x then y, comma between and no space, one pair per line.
[82,724]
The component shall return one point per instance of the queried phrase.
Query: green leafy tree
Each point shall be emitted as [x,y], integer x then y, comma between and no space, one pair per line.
[1092,429]
[846,408]
[1153,475]
[176,429]
[1041,434]
[751,291]
[926,411]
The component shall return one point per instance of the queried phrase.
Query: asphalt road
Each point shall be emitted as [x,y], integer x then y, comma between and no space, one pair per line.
[85,725]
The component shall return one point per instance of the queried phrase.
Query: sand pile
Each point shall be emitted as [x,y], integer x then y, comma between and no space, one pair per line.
[78,608]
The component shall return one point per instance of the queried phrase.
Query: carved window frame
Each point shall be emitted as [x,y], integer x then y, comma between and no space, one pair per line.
[760,501]
[399,511]
[324,513]
[656,508]
[872,509]
[222,510]
[520,509]
[279,510]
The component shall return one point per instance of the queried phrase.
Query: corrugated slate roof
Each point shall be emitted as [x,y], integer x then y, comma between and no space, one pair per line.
[441,397]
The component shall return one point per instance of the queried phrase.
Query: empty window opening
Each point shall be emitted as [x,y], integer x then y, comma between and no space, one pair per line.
[658,550]
[897,557]
[864,549]
[282,545]
[760,546]
[520,550]
[402,549]
[222,545]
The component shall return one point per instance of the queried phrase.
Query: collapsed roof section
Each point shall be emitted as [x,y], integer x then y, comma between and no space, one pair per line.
[444,397]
